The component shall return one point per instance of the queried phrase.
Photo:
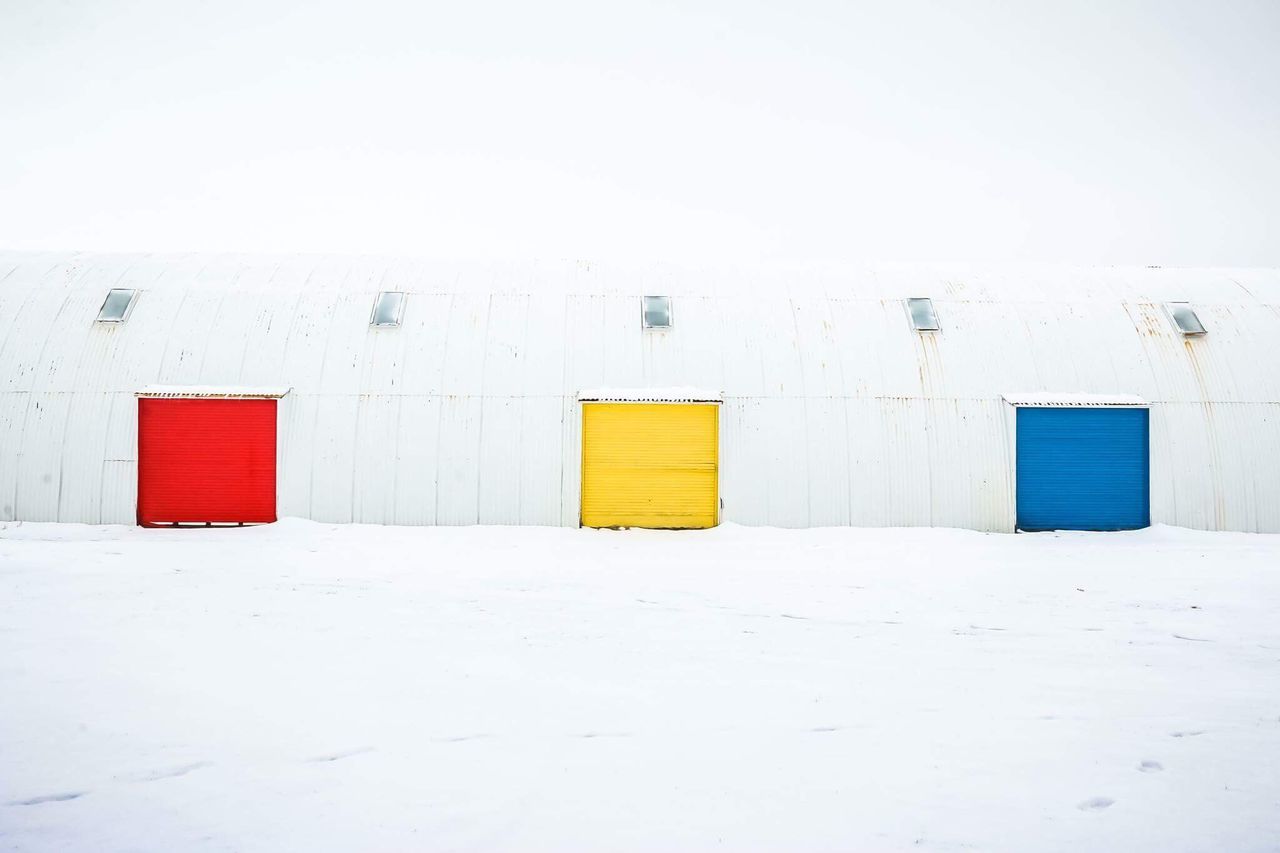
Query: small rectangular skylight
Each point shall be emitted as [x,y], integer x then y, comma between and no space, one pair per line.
[387,309]
[922,317]
[1185,318]
[657,312]
[115,308]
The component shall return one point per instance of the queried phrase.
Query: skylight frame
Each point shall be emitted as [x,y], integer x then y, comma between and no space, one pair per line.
[122,315]
[666,305]
[922,325]
[398,319]
[1177,312]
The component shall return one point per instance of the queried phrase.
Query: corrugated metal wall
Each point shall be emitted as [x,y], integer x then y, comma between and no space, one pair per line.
[834,413]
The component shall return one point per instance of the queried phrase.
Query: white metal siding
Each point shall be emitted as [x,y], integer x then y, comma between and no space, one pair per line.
[834,413]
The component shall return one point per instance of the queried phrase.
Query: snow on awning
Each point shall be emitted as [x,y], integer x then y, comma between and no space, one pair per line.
[650,395]
[226,392]
[1052,398]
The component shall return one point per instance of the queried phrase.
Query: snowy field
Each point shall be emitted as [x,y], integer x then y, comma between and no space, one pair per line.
[313,687]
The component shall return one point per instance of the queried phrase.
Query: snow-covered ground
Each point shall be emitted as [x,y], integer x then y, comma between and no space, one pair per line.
[313,687]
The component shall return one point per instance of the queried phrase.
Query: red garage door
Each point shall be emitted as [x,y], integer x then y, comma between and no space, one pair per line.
[206,461]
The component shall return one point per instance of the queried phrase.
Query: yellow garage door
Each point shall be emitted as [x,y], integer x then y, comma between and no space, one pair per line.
[650,464]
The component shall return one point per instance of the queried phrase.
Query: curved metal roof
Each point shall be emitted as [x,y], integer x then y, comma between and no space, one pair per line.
[555,329]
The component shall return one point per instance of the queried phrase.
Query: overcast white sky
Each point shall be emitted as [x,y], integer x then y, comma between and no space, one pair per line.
[782,134]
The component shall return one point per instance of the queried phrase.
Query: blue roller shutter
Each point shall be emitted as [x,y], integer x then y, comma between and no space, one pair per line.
[1083,468]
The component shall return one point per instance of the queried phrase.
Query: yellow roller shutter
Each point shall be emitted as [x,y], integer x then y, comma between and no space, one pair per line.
[650,464]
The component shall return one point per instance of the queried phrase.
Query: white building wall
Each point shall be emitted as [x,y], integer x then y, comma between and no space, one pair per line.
[834,412]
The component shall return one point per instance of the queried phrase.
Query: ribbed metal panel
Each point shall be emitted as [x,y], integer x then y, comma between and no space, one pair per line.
[119,488]
[1083,469]
[649,465]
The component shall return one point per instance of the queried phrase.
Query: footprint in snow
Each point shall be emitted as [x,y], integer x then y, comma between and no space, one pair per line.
[1150,767]
[1187,734]
[168,773]
[1095,804]
[49,798]
[335,756]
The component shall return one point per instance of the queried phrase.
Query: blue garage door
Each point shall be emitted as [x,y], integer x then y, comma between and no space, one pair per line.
[1082,469]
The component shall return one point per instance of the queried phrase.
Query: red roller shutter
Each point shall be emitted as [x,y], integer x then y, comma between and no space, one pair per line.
[206,461]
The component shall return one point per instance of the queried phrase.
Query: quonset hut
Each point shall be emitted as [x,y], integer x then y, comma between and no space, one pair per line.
[218,389]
